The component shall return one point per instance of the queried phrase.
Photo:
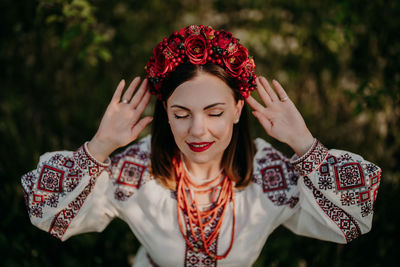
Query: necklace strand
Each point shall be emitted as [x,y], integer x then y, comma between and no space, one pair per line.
[187,205]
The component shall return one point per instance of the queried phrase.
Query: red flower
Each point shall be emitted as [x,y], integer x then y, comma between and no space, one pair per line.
[236,61]
[196,49]
[224,39]
[209,33]
[174,42]
[249,67]
[160,64]
[193,30]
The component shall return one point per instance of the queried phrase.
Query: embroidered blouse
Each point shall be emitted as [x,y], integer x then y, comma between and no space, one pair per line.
[325,194]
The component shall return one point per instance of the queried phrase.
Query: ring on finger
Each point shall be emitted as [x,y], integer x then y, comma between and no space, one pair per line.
[284,99]
[124,101]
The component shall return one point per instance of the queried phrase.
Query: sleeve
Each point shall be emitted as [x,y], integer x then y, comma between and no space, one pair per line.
[68,193]
[325,194]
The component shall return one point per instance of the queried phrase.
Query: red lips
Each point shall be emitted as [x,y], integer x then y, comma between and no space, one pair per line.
[200,147]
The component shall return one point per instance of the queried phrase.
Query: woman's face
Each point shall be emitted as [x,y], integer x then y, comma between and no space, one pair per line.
[201,113]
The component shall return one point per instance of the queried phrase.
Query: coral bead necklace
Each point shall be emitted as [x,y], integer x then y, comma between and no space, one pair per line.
[197,220]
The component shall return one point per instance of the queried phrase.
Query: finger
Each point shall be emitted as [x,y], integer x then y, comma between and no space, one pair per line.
[137,98]
[138,127]
[143,103]
[117,94]
[265,122]
[263,93]
[269,89]
[254,104]
[128,93]
[279,89]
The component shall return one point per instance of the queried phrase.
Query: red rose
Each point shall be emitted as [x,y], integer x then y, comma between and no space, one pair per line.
[196,49]
[224,39]
[161,64]
[236,61]
[209,33]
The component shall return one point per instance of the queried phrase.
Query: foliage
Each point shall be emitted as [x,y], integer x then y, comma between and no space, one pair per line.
[61,60]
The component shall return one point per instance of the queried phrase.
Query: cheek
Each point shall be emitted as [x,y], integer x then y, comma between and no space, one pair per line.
[178,129]
[222,128]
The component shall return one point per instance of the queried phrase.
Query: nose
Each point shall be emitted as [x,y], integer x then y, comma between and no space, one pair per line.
[198,127]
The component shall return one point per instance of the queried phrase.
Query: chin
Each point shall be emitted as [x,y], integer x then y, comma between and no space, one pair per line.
[200,157]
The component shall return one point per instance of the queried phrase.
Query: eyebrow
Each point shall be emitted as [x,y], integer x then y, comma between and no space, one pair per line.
[207,107]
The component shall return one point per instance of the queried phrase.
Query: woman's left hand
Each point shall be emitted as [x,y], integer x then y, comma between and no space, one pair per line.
[280,117]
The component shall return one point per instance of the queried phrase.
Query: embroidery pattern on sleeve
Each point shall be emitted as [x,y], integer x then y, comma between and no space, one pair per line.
[344,221]
[354,181]
[357,183]
[130,170]
[277,177]
[312,159]
[85,163]
[53,178]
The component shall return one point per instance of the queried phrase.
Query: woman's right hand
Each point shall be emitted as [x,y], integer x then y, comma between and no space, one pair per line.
[121,123]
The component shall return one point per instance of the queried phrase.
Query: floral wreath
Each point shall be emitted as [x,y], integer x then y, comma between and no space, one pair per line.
[198,45]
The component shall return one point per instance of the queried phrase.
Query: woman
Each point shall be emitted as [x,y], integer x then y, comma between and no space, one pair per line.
[199,191]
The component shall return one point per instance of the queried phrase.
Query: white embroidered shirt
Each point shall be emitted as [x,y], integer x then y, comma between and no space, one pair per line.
[325,194]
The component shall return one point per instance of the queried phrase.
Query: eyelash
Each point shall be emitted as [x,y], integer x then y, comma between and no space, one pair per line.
[212,115]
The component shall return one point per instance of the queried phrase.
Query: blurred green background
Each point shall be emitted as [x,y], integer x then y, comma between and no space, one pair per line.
[61,60]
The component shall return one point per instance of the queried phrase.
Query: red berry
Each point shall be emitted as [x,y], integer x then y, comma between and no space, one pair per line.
[219,61]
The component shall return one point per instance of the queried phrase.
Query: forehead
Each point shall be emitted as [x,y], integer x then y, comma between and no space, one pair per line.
[202,90]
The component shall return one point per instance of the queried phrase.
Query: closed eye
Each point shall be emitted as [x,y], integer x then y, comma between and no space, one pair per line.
[216,114]
[180,117]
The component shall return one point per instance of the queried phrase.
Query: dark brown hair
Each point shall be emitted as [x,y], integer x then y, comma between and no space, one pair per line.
[237,160]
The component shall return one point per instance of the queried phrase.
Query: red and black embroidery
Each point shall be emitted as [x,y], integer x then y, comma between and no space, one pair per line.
[277,177]
[53,178]
[354,181]
[348,198]
[130,170]
[64,218]
[312,159]
[349,175]
[89,165]
[343,220]
[195,257]
[325,182]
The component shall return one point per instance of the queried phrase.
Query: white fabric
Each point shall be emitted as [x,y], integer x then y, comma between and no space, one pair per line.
[150,209]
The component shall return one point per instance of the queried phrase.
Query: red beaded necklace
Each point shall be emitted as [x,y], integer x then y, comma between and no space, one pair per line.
[187,205]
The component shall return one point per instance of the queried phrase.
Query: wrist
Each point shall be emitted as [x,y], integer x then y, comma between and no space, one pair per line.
[99,148]
[302,143]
